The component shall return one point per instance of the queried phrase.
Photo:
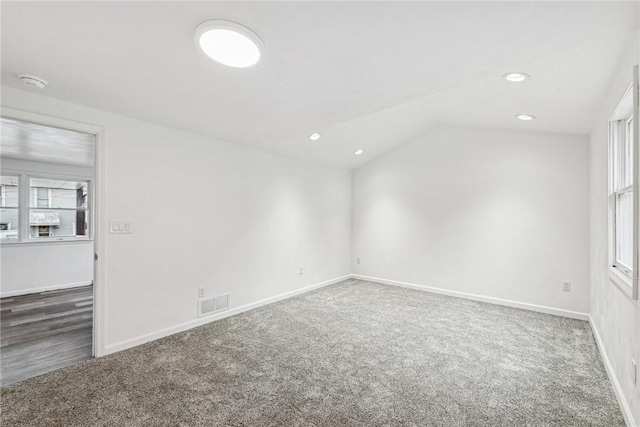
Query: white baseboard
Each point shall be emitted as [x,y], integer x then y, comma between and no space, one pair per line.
[626,411]
[123,345]
[44,289]
[474,297]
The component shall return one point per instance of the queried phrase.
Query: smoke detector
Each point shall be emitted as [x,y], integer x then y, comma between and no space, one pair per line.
[32,81]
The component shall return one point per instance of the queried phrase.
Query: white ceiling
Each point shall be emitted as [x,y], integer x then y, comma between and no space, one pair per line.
[365,74]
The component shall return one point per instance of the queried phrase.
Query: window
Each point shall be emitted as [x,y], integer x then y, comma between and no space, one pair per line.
[623,193]
[58,208]
[9,212]
[51,209]
[42,197]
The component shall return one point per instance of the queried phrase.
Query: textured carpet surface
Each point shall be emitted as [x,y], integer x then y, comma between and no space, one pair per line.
[354,353]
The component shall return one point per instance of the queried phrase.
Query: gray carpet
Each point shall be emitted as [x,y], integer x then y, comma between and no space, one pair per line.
[355,353]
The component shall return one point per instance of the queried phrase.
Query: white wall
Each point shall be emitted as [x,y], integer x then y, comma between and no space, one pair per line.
[615,316]
[495,213]
[205,213]
[36,267]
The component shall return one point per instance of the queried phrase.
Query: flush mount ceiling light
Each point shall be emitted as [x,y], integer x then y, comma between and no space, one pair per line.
[358,152]
[32,81]
[314,136]
[525,117]
[516,77]
[229,43]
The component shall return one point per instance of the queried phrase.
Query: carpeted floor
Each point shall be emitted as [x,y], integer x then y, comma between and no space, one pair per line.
[354,353]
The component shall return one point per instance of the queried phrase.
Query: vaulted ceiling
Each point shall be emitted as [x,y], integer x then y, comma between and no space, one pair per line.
[364,74]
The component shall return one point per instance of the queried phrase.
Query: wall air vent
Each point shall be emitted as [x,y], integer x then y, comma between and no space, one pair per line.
[213,305]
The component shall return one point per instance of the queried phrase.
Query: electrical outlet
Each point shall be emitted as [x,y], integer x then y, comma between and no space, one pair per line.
[634,372]
[358,260]
[201,292]
[566,286]
[301,271]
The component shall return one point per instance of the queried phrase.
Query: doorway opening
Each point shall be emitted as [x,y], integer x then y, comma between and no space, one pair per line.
[47,217]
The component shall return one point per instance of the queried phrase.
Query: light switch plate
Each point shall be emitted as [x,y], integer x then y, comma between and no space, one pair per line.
[120,227]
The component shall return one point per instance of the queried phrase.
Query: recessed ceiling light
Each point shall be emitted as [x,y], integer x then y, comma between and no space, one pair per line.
[229,43]
[32,81]
[359,151]
[525,117]
[516,77]
[314,136]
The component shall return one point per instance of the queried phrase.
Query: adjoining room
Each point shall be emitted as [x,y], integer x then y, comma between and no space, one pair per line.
[320,213]
[47,249]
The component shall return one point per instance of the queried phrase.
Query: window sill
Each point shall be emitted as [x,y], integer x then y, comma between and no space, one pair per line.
[622,281]
[45,242]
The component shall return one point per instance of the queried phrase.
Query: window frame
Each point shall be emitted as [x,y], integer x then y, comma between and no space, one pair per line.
[24,208]
[3,202]
[623,120]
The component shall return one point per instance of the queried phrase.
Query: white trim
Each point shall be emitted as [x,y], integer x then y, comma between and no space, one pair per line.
[99,229]
[622,401]
[42,242]
[622,281]
[635,148]
[122,345]
[631,98]
[42,119]
[97,202]
[44,289]
[475,297]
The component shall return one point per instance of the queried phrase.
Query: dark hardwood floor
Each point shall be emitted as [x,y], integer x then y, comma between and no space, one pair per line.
[44,331]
